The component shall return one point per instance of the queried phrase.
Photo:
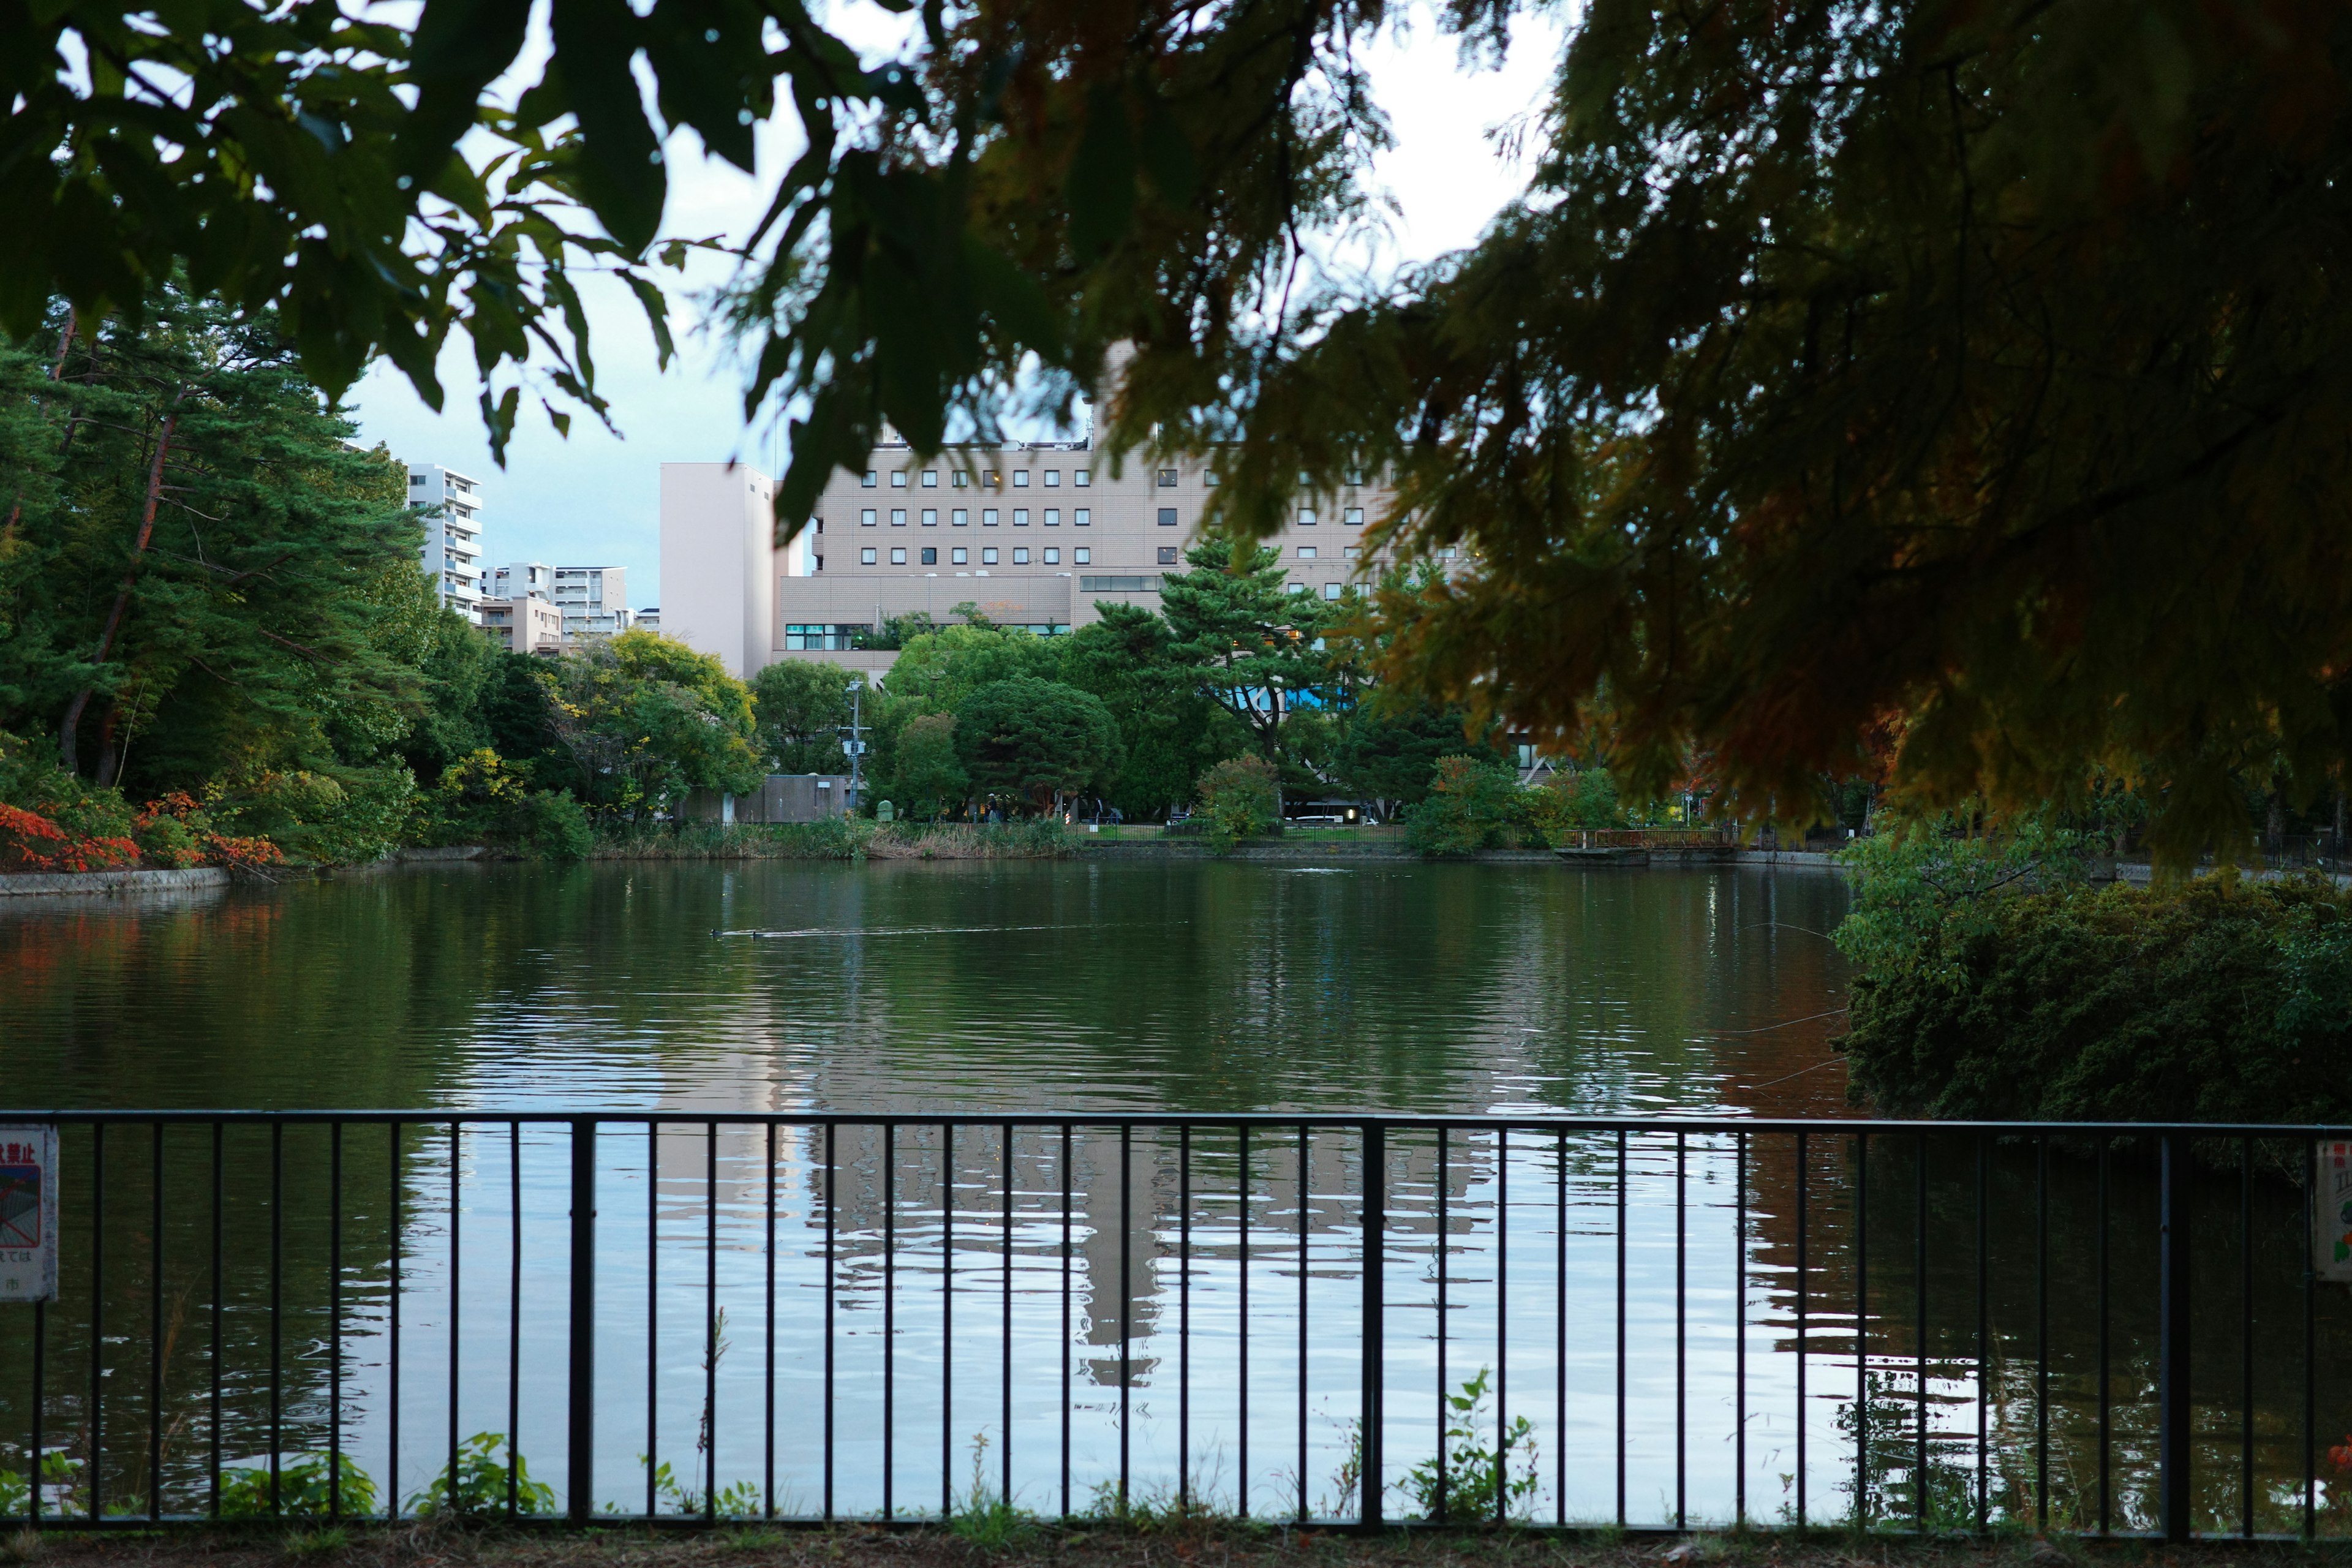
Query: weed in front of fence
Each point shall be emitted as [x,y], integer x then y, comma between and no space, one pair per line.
[985,1519]
[305,1489]
[1465,1489]
[477,1484]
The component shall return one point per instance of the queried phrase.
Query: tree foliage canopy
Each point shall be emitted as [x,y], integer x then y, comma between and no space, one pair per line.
[1970,370]
[1036,739]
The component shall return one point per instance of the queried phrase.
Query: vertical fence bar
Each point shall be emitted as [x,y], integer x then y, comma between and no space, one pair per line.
[456,1258]
[514,1317]
[768,1385]
[2107,1416]
[2041,1333]
[1375,1336]
[1242,1329]
[2174,1433]
[1126,1302]
[1303,1190]
[95,1455]
[155,1325]
[709,1433]
[1803,1359]
[1681,1337]
[1502,1321]
[1004,1363]
[832,1185]
[2246,1331]
[1559,1329]
[1442,1250]
[2310,1341]
[1184,1319]
[391,1305]
[947,1314]
[1066,1154]
[580,1485]
[1862,1330]
[1984,1347]
[1739,1333]
[1919,1292]
[334,1319]
[1621,1328]
[40,1391]
[890,1313]
[212,1445]
[653,1310]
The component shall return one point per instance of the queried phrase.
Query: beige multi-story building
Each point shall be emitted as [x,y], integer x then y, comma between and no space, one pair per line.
[528,625]
[1034,535]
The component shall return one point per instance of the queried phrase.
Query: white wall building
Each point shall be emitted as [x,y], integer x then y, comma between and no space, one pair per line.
[720,566]
[523,580]
[594,600]
[1031,536]
[453,534]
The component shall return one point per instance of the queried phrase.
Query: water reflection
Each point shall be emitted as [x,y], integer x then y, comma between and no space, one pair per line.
[1162,1308]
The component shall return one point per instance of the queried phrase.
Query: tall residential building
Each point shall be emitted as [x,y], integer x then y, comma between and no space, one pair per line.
[523,580]
[1032,535]
[453,534]
[594,600]
[591,600]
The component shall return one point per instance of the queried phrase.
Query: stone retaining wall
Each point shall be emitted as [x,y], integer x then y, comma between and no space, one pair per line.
[111,884]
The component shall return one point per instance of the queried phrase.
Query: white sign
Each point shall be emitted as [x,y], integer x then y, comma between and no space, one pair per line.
[28,1213]
[2331,1241]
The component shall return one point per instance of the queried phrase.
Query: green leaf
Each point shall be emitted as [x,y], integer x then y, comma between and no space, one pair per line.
[1101,187]
[1168,160]
[621,173]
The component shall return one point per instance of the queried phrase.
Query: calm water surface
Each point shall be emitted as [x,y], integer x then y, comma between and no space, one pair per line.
[1029,986]
[920,1271]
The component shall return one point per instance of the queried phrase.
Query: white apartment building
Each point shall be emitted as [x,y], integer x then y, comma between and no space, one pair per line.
[1034,535]
[453,534]
[592,601]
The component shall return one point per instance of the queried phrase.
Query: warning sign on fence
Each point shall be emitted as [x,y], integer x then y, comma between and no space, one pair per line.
[28,1213]
[2331,1246]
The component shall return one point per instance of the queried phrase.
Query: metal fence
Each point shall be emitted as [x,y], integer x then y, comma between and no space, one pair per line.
[1363,1319]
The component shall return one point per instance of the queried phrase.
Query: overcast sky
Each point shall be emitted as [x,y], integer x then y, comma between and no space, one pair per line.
[591,499]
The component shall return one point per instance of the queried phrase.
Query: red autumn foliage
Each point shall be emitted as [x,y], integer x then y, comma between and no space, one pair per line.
[31,842]
[215,848]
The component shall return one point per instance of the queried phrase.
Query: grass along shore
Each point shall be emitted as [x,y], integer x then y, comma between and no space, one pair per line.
[1182,1544]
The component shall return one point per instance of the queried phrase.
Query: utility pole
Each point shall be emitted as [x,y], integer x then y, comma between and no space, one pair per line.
[856,747]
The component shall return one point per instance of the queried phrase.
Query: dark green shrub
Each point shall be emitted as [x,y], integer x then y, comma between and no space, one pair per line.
[2039,998]
[1475,804]
[1241,797]
[552,826]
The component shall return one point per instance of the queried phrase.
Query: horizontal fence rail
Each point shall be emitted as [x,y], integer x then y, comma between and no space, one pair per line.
[1353,1321]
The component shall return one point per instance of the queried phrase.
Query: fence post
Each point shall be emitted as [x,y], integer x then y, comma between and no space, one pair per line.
[1375,1224]
[581,1484]
[2172,1338]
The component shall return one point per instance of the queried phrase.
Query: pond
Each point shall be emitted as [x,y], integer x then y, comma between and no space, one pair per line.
[1675,1315]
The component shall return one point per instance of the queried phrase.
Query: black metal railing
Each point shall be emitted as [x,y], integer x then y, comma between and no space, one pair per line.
[1357,1319]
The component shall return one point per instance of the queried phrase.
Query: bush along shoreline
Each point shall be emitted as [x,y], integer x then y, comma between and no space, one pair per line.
[1994,981]
[838,838]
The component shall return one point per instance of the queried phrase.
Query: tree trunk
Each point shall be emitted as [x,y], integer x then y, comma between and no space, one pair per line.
[68,746]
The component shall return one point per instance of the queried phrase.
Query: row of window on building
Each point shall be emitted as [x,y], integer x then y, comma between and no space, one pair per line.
[958,479]
[961,555]
[843,635]
[1080,479]
[1082,516]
